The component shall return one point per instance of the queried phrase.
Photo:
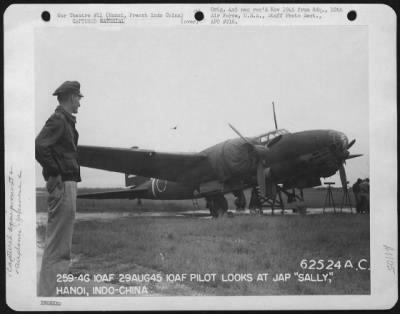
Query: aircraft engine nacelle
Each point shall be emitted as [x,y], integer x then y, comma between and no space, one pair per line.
[231,158]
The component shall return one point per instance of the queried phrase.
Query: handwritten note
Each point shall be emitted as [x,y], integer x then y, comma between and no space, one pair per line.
[14,222]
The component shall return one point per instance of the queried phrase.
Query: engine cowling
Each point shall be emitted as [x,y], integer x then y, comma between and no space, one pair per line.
[232,158]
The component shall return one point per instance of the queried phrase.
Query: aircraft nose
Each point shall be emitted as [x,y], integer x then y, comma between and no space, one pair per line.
[338,142]
[343,140]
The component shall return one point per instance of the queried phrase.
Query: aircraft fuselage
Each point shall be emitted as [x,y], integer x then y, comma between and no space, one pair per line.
[294,159]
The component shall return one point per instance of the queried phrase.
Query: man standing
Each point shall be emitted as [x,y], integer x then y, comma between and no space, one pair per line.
[356,191]
[56,151]
[364,196]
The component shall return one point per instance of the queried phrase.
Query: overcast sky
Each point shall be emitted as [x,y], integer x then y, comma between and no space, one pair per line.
[142,81]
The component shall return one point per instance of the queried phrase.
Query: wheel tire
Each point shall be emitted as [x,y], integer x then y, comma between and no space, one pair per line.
[221,206]
[220,212]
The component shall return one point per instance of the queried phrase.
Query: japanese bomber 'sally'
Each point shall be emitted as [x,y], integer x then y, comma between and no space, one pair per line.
[277,160]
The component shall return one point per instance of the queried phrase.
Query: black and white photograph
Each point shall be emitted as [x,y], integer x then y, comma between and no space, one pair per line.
[175,156]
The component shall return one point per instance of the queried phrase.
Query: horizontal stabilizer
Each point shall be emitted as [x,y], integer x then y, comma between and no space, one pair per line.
[119,194]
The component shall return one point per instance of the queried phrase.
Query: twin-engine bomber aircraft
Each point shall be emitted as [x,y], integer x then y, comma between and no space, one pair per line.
[292,160]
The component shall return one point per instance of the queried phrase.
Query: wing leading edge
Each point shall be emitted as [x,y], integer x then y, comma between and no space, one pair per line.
[180,167]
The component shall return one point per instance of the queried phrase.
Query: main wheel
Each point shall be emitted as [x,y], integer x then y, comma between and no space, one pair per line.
[212,207]
[240,201]
[222,205]
[218,206]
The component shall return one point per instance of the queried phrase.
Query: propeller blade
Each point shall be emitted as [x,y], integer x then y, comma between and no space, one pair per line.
[241,136]
[353,156]
[270,188]
[273,108]
[351,144]
[261,179]
[343,177]
[260,150]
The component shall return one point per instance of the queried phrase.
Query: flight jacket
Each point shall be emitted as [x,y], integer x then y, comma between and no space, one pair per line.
[56,147]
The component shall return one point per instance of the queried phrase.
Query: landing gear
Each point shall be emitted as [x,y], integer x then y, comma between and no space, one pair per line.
[217,205]
[240,201]
[296,201]
[255,205]
[257,202]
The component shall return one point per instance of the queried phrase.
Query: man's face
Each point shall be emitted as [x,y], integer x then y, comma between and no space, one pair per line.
[75,103]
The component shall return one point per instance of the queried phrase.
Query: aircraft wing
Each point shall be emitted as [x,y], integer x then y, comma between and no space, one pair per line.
[125,193]
[188,167]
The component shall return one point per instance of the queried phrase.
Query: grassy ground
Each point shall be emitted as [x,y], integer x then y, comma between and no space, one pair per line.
[247,245]
[240,245]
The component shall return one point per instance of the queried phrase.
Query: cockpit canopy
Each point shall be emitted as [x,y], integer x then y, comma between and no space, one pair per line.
[264,139]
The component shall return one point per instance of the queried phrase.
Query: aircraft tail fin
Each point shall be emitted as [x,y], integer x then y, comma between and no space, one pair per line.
[134,180]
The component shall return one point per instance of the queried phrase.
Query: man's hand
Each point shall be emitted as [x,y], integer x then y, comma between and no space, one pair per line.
[53,182]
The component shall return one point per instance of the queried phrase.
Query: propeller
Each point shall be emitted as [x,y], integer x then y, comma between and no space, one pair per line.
[343,177]
[261,152]
[238,133]
[261,179]
[342,171]
[351,144]
[353,156]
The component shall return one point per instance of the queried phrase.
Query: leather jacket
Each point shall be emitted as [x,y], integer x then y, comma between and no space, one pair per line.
[56,147]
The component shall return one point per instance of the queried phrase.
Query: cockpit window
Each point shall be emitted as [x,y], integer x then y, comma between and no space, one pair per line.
[266,138]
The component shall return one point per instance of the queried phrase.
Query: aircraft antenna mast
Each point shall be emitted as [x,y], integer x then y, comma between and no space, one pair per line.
[273,108]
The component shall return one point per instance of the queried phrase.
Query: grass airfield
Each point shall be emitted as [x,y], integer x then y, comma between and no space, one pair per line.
[186,252]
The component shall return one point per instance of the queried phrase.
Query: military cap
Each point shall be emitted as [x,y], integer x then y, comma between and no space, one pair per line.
[68,87]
